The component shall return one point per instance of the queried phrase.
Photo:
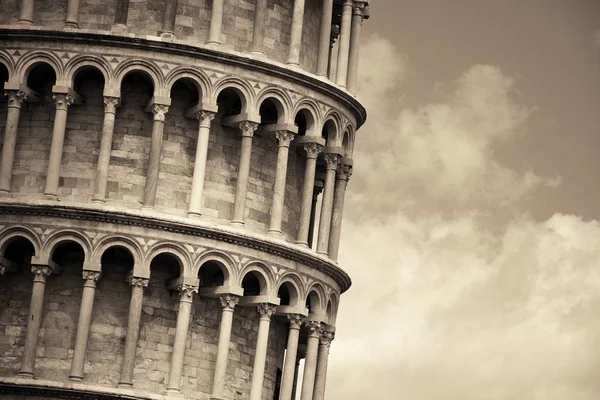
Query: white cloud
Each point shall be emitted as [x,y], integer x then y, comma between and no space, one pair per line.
[445,305]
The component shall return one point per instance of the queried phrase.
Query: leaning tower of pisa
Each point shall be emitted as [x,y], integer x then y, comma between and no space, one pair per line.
[172,180]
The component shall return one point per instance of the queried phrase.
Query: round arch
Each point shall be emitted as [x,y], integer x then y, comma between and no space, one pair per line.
[280,99]
[7,62]
[60,237]
[224,261]
[149,69]
[31,60]
[199,79]
[76,64]
[332,123]
[173,249]
[263,273]
[242,89]
[294,281]
[316,294]
[118,241]
[15,232]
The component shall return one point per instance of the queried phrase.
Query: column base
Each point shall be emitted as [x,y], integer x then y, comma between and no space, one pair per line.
[216,398]
[275,233]
[119,28]
[166,34]
[25,22]
[49,196]
[175,393]
[194,214]
[323,253]
[236,222]
[147,208]
[98,200]
[71,25]
[303,244]
[125,385]
[76,378]
[4,193]
[25,374]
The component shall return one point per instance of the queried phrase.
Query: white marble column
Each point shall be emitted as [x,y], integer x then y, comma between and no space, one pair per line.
[324,40]
[181,331]
[265,311]
[63,101]
[343,175]
[260,19]
[312,151]
[299,357]
[344,43]
[310,364]
[239,208]
[169,15]
[228,303]
[322,359]
[357,19]
[216,22]
[34,319]
[159,111]
[313,213]
[289,369]
[284,139]
[296,33]
[205,118]
[72,20]
[26,14]
[331,163]
[90,278]
[110,110]
[133,329]
[15,100]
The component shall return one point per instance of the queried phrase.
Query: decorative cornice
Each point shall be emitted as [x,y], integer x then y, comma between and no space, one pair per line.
[122,218]
[111,40]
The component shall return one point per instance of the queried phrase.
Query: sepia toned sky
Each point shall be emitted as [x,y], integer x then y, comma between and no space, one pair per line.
[471,226]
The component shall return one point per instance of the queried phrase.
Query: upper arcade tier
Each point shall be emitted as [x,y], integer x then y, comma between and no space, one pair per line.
[299,33]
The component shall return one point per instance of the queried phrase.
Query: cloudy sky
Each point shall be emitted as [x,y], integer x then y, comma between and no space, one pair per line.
[471,226]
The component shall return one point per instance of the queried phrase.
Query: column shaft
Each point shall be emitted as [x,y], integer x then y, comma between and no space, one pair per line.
[169,15]
[296,33]
[56,147]
[216,22]
[34,319]
[110,109]
[260,356]
[327,205]
[72,20]
[83,324]
[338,210]
[289,369]
[284,138]
[323,357]
[133,328]
[312,151]
[228,302]
[158,127]
[15,99]
[313,215]
[324,40]
[344,44]
[121,12]
[357,18]
[296,372]
[183,323]
[260,18]
[26,15]
[310,363]
[239,207]
[205,118]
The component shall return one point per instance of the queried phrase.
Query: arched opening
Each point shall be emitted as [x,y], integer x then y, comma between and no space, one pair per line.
[211,274]
[109,316]
[3,74]
[15,296]
[305,122]
[328,132]
[346,144]
[288,294]
[254,284]
[229,102]
[271,111]
[35,133]
[83,134]
[131,139]
[313,302]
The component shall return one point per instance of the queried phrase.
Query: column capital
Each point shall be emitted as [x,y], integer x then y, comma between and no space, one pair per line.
[296,320]
[314,328]
[110,104]
[313,149]
[331,161]
[326,338]
[186,291]
[136,281]
[284,138]
[344,172]
[248,128]
[205,117]
[15,98]
[358,8]
[160,111]
[91,275]
[266,310]
[229,301]
[41,272]
[63,100]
